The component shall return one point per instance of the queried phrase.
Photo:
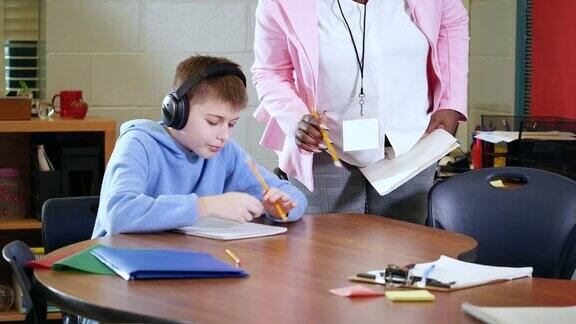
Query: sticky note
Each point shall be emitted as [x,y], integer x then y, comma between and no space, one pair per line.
[410,295]
[355,291]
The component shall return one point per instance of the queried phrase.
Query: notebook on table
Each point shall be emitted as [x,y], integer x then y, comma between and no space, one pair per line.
[521,315]
[219,229]
[132,264]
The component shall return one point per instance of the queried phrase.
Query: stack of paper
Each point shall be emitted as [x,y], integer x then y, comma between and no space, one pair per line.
[388,174]
[502,136]
[522,315]
[466,274]
[219,229]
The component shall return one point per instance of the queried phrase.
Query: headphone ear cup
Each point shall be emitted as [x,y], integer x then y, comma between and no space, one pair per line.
[169,109]
[182,112]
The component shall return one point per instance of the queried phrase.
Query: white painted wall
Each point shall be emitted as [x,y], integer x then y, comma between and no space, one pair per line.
[122,54]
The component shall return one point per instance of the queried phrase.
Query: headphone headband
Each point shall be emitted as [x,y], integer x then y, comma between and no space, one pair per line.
[210,70]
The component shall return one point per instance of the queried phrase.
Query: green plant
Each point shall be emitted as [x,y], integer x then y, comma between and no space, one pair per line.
[23,87]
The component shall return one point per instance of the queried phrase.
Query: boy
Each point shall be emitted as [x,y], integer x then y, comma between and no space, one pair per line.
[167,175]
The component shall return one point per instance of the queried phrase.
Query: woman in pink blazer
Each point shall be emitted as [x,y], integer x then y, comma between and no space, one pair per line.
[407,59]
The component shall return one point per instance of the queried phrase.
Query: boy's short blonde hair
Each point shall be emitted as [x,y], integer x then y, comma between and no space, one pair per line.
[223,88]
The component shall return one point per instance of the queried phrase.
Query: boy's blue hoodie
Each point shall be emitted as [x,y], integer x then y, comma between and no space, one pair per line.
[152,182]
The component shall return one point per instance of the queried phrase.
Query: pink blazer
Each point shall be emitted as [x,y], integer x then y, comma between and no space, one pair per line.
[285,69]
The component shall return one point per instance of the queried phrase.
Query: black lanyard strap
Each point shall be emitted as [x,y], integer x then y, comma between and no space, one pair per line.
[358,59]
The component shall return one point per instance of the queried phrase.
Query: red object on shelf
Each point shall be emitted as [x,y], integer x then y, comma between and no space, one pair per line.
[477,154]
[78,109]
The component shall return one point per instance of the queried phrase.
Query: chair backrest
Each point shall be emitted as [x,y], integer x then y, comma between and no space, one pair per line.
[17,253]
[532,225]
[68,220]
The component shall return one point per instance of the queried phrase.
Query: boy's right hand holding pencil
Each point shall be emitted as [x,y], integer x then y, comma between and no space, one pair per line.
[233,206]
[312,135]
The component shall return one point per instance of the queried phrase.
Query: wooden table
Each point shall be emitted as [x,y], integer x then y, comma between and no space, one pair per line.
[290,276]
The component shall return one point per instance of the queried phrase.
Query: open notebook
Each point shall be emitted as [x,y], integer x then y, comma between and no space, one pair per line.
[218,229]
[389,174]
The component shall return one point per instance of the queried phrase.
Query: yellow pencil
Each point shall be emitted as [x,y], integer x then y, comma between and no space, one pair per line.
[254,169]
[328,142]
[233,256]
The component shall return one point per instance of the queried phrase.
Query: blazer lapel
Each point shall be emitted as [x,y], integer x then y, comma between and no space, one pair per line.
[300,20]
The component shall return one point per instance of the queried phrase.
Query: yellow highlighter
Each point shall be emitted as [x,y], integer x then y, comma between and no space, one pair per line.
[254,169]
[328,142]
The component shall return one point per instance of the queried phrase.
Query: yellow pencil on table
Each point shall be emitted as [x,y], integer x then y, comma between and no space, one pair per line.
[328,142]
[254,169]
[233,256]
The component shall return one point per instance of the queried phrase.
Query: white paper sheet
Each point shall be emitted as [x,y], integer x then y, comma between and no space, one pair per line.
[219,229]
[388,174]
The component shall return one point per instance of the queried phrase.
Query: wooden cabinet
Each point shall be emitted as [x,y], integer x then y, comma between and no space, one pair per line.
[16,142]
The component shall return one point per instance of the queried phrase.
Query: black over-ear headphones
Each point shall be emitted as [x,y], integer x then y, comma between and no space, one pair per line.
[175,105]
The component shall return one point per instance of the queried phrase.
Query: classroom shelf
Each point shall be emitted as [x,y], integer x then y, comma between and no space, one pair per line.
[13,316]
[23,224]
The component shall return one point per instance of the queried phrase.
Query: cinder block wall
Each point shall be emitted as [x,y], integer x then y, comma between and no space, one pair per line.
[492,59]
[122,54]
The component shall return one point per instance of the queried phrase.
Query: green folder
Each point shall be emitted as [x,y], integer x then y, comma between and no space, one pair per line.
[83,261]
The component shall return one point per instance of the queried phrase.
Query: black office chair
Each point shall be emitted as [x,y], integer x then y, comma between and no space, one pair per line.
[67,220]
[531,225]
[17,253]
[280,174]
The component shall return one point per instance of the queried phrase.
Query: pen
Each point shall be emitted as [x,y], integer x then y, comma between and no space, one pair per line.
[425,276]
[328,143]
[254,169]
[429,282]
[233,256]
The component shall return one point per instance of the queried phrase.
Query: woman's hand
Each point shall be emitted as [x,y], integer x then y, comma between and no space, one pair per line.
[446,119]
[308,136]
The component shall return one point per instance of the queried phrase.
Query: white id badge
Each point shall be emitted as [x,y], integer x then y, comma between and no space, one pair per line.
[360,134]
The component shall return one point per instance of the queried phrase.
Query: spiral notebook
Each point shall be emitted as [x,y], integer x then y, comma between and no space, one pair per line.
[219,229]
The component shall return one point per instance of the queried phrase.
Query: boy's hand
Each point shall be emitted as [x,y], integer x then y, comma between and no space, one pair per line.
[275,195]
[233,206]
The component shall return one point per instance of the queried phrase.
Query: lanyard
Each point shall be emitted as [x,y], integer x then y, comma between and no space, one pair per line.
[360,61]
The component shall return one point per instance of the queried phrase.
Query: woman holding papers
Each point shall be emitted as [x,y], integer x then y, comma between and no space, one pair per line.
[368,74]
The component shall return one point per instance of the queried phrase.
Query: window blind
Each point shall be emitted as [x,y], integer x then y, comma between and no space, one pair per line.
[20,27]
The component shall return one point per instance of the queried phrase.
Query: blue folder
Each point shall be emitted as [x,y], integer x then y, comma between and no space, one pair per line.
[160,264]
